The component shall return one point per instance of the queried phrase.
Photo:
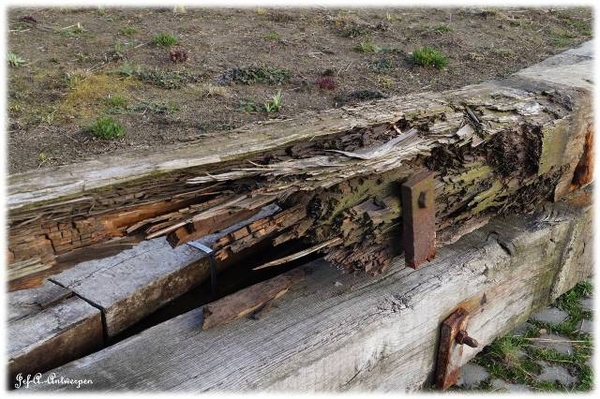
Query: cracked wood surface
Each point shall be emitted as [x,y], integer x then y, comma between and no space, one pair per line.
[336,331]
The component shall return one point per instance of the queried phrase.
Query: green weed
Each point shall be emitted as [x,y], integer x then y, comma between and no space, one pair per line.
[442,28]
[164,40]
[367,47]
[128,30]
[274,104]
[14,60]
[107,129]
[74,30]
[273,36]
[428,57]
[253,75]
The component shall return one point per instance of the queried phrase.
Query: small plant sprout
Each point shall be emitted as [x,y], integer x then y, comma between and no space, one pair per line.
[107,129]
[274,104]
[14,60]
[428,57]
[164,40]
[128,30]
[442,28]
[273,36]
[261,11]
[367,47]
[72,30]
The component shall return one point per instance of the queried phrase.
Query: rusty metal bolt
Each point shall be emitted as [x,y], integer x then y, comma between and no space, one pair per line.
[462,337]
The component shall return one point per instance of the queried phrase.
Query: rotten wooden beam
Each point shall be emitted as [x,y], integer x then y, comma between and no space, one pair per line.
[339,332]
[338,171]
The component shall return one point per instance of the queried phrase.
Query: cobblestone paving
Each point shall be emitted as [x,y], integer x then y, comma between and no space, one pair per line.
[552,351]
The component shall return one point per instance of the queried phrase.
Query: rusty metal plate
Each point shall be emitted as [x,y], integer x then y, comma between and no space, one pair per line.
[450,350]
[418,214]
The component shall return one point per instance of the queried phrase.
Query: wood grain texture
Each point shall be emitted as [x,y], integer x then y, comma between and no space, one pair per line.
[53,336]
[250,299]
[137,281]
[25,303]
[341,332]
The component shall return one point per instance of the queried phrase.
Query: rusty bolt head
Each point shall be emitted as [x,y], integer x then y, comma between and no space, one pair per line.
[462,338]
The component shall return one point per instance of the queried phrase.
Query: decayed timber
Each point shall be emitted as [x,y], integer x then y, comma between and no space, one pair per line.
[250,299]
[340,332]
[494,147]
[49,327]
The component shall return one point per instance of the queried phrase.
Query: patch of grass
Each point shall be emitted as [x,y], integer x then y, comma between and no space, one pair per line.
[166,79]
[125,70]
[74,30]
[116,104]
[561,33]
[442,28]
[253,75]
[75,76]
[128,30]
[15,60]
[164,39]
[213,91]
[270,106]
[366,47]
[20,26]
[87,94]
[107,129]
[385,82]
[273,36]
[429,57]
[381,65]
[260,11]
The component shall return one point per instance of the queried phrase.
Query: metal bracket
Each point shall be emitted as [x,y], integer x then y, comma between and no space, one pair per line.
[211,262]
[453,336]
[418,215]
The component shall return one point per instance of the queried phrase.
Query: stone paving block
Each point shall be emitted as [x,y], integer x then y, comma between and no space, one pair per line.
[587,303]
[522,329]
[559,343]
[500,385]
[550,315]
[471,375]
[556,373]
[587,326]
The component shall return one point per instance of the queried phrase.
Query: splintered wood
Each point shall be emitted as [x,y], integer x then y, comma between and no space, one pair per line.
[250,299]
[493,148]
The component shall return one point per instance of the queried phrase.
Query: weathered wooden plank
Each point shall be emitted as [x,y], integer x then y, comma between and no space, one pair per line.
[54,335]
[24,303]
[137,281]
[342,332]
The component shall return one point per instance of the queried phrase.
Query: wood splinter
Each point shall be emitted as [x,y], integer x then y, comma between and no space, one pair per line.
[250,299]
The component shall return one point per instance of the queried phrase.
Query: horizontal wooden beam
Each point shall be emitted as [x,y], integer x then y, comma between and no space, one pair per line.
[337,331]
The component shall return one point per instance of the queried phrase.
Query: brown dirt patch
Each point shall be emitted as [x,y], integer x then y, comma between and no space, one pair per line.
[86,63]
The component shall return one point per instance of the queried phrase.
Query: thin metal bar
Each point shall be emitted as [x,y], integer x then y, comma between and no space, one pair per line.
[211,263]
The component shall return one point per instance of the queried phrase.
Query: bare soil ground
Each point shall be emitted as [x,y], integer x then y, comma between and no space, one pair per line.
[78,64]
